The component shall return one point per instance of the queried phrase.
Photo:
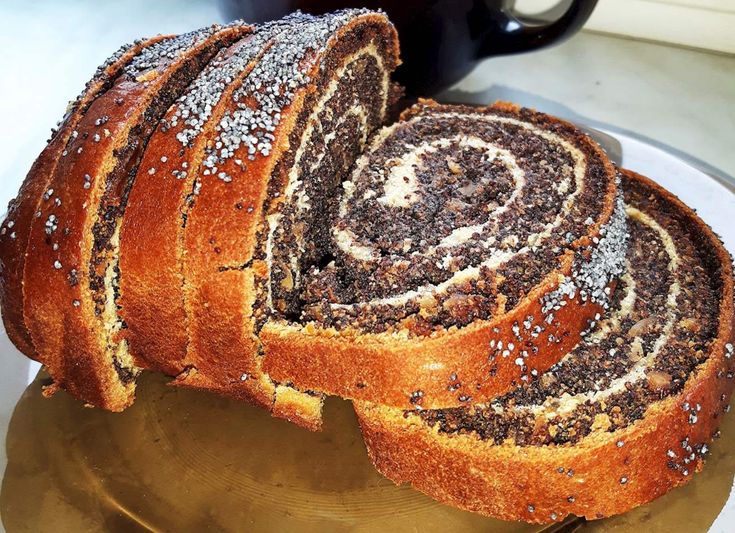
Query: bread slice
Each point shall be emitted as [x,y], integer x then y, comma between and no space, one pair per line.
[15,229]
[151,251]
[71,270]
[469,248]
[625,417]
[320,79]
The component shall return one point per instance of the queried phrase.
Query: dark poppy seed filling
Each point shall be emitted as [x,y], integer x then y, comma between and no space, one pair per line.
[454,216]
[474,241]
[350,103]
[664,315]
[300,234]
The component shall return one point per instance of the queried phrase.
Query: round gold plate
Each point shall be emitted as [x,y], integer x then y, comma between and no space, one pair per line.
[184,460]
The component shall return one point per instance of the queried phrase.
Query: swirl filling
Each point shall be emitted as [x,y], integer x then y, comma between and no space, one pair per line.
[449,217]
[296,235]
[664,317]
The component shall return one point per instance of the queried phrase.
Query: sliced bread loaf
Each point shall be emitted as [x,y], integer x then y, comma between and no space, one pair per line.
[261,118]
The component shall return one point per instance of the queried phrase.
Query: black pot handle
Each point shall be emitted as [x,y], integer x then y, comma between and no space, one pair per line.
[503,32]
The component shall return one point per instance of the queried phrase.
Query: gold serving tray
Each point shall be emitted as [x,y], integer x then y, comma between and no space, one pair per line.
[184,460]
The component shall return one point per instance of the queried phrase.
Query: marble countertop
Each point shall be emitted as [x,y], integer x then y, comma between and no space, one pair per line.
[677,98]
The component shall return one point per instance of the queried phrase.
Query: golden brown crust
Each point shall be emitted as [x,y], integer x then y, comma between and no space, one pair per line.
[62,316]
[523,483]
[222,343]
[152,298]
[388,368]
[16,227]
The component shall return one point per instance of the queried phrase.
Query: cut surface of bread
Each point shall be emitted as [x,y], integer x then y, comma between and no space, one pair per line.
[303,115]
[623,418]
[71,267]
[15,229]
[465,253]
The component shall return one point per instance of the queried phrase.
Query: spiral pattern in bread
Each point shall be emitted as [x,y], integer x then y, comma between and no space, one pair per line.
[468,248]
[627,415]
